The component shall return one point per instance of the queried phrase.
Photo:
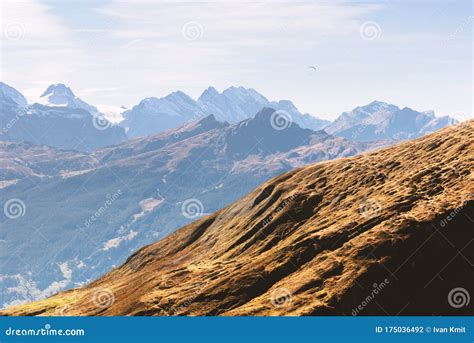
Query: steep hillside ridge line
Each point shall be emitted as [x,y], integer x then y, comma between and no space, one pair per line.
[150,179]
[315,241]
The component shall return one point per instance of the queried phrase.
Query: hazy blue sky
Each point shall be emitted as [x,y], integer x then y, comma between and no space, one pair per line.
[410,53]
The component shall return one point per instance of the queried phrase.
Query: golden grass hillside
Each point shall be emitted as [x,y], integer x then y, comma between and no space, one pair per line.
[384,233]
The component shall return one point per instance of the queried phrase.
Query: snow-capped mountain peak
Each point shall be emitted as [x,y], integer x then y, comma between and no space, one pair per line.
[179,97]
[241,93]
[59,95]
[234,104]
[372,113]
[209,93]
[58,89]
[382,121]
[11,95]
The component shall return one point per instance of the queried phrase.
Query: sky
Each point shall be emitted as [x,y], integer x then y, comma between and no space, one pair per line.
[410,53]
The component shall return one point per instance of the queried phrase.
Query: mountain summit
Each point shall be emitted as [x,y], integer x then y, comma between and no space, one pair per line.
[382,121]
[59,94]
[384,233]
[234,104]
[59,119]
[9,96]
[58,89]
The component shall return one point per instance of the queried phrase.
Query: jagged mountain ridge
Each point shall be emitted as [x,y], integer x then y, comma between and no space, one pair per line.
[381,121]
[22,159]
[234,104]
[148,179]
[59,94]
[59,107]
[9,96]
[60,120]
[314,241]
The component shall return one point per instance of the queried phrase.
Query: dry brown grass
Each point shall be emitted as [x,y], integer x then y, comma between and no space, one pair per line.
[323,233]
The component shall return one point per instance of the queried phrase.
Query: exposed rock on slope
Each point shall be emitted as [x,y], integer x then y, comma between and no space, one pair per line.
[315,241]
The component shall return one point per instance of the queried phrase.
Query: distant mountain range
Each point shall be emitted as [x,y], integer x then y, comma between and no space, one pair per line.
[382,121]
[62,120]
[382,234]
[153,115]
[65,161]
[89,211]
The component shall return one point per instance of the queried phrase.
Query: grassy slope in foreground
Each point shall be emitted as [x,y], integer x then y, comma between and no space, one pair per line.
[314,241]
